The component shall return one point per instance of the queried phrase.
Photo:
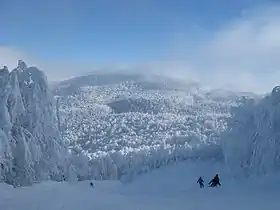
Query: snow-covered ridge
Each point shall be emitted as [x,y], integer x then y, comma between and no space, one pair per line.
[31,148]
[131,123]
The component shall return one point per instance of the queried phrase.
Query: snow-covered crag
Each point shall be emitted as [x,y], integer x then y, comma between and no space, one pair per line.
[252,141]
[123,124]
[31,148]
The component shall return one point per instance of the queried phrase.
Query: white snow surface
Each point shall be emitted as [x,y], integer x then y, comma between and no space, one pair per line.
[168,188]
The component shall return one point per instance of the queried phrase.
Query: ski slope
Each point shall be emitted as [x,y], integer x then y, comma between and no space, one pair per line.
[170,187]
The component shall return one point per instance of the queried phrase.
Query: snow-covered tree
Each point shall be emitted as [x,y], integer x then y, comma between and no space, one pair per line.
[5,126]
[121,125]
[30,140]
[252,142]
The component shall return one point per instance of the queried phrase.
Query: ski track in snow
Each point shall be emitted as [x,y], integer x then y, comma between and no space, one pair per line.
[170,187]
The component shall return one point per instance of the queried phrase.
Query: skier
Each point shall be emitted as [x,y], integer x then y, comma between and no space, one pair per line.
[200,181]
[91,184]
[215,181]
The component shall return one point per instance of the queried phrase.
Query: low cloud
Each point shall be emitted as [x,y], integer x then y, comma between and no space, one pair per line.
[241,55]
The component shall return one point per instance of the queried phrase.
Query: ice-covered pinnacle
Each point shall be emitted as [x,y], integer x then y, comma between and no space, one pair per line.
[22,65]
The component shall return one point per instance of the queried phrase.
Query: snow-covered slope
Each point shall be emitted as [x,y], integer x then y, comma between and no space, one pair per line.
[118,125]
[129,123]
[31,148]
[252,142]
[172,187]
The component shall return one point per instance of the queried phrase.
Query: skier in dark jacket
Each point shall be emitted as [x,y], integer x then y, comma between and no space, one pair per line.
[215,181]
[91,184]
[200,181]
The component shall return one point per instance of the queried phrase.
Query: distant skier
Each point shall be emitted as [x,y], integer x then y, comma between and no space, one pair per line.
[200,181]
[215,181]
[91,184]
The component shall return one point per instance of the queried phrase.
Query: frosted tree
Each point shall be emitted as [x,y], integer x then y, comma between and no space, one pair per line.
[252,145]
[30,135]
[5,126]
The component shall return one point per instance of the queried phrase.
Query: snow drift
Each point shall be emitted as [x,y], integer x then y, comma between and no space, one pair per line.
[31,148]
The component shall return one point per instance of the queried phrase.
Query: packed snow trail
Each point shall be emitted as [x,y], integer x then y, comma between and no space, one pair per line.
[170,187]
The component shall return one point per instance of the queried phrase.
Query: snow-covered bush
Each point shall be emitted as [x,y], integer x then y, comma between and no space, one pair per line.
[252,142]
